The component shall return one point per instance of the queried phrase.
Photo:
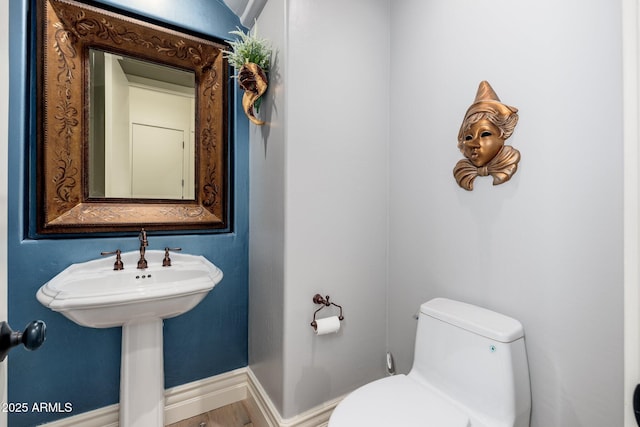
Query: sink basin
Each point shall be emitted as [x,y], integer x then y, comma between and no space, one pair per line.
[95,295]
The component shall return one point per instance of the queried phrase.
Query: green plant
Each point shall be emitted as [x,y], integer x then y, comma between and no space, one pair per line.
[248,48]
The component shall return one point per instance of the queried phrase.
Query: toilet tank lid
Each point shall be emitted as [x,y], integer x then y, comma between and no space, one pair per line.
[475,319]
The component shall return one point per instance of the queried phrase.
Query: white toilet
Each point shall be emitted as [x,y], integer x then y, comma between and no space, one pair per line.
[470,370]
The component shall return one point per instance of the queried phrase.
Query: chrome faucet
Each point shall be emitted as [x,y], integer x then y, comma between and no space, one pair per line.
[142,263]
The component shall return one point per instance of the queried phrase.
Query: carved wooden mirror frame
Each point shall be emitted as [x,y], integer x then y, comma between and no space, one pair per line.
[66,31]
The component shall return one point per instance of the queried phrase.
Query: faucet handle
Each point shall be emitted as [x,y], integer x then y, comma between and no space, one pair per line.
[166,262]
[143,238]
[118,265]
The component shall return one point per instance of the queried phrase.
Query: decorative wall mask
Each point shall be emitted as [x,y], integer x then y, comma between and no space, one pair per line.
[486,125]
[251,58]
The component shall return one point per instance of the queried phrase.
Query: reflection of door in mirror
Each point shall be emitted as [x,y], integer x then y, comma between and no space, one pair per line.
[154,172]
[142,118]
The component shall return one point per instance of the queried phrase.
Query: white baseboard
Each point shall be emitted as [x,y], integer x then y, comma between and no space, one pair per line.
[188,400]
[103,417]
[205,395]
[315,417]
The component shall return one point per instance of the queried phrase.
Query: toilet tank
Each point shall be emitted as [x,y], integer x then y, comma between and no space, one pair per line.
[476,358]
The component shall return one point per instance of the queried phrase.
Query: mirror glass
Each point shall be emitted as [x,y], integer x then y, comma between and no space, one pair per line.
[141,129]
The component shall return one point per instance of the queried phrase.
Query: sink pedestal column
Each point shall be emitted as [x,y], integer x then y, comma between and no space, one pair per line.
[142,375]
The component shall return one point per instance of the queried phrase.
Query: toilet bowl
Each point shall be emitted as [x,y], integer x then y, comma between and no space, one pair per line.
[470,370]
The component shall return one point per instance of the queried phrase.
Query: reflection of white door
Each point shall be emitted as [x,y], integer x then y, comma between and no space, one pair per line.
[157,157]
[631,83]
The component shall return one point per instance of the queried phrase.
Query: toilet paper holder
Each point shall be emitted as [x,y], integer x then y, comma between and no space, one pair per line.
[318,299]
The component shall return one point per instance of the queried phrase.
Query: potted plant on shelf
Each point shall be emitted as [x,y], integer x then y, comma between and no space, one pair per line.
[251,57]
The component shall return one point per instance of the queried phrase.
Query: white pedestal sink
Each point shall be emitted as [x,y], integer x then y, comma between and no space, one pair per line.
[95,295]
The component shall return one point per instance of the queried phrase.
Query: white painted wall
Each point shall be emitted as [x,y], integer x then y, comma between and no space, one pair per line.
[267,216]
[545,248]
[319,178]
[336,194]
[117,129]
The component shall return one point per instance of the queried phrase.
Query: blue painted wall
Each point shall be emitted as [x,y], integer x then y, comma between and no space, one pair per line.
[81,366]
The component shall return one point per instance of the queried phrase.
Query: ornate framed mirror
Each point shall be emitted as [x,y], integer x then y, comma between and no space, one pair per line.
[98,68]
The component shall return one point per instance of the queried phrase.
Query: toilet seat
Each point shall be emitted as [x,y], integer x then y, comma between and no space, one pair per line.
[397,401]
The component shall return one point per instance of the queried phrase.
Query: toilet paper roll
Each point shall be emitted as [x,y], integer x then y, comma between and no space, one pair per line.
[327,325]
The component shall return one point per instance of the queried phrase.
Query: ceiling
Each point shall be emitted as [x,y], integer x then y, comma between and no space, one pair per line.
[246,10]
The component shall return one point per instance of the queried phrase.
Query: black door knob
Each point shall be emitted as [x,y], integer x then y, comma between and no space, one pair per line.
[32,337]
